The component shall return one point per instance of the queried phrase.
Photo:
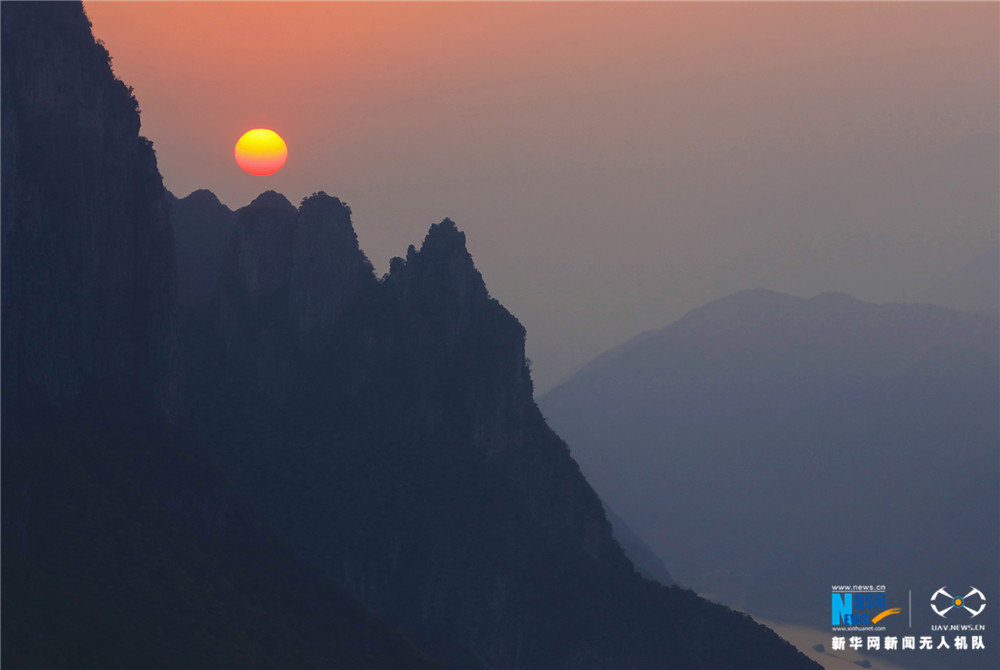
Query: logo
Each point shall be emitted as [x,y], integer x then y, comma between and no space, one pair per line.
[858,609]
[944,603]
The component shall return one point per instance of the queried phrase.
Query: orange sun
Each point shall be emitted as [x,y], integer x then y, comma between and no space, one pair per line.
[261,152]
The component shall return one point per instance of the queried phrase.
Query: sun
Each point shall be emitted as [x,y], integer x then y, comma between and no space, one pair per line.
[261,152]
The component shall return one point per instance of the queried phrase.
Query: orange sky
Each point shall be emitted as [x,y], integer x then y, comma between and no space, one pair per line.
[613,164]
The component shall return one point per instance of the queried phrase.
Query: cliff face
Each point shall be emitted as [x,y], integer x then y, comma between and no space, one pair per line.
[328,269]
[256,270]
[287,274]
[400,449]
[88,273]
[294,268]
[123,544]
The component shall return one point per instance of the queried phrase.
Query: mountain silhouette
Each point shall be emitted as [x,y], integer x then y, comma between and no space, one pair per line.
[386,425]
[124,545]
[851,438]
[311,455]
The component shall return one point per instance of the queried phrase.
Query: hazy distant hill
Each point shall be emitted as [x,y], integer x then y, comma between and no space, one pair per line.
[765,445]
[973,287]
[387,427]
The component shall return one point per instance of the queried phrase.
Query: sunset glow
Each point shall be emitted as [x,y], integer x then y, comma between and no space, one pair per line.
[261,152]
[705,115]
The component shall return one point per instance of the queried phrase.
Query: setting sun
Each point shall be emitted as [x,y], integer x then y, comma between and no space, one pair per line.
[261,152]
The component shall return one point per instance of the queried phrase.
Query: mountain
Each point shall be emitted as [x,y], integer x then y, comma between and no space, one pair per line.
[973,287]
[202,228]
[857,441]
[386,425]
[124,545]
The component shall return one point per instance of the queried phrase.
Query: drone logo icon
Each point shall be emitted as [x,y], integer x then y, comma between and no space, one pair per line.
[942,602]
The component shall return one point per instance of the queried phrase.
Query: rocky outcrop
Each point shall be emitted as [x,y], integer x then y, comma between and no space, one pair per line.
[445,309]
[400,449]
[287,275]
[202,228]
[328,267]
[301,267]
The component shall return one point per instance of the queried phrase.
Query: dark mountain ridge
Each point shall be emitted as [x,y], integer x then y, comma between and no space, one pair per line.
[71,144]
[124,546]
[384,426]
[391,433]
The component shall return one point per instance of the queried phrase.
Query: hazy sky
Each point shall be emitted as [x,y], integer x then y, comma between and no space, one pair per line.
[613,165]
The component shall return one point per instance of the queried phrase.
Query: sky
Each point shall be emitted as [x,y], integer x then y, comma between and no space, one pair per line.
[613,165]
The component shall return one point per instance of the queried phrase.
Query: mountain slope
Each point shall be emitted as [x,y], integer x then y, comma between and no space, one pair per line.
[765,421]
[645,560]
[396,443]
[124,546]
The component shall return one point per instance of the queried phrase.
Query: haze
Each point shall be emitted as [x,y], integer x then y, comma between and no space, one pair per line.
[613,165]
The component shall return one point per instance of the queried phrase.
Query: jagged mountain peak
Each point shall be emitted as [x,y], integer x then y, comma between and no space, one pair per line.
[442,270]
[322,201]
[444,237]
[270,200]
[202,197]
[306,263]
[329,269]
[326,220]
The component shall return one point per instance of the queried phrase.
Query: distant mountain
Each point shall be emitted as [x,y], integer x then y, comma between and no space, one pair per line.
[765,445]
[974,287]
[387,427]
[124,546]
